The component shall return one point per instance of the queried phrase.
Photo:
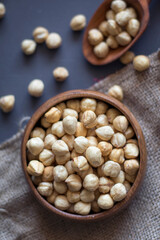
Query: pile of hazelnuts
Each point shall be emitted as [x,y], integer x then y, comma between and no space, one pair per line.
[83,156]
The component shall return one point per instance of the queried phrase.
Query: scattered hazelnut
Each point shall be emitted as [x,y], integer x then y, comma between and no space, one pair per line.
[94,155]
[117,92]
[120,123]
[35,168]
[131,166]
[38,132]
[127,57]
[40,34]
[46,157]
[45,189]
[101,108]
[118,5]
[118,140]
[87,196]
[48,174]
[133,27]
[101,50]
[53,40]
[105,184]
[118,192]
[105,133]
[105,201]
[105,148]
[123,38]
[80,164]
[49,140]
[2,10]
[88,104]
[103,28]
[141,63]
[7,103]
[89,119]
[35,145]
[60,173]
[82,208]
[53,115]
[60,187]
[73,197]
[117,155]
[111,169]
[111,42]
[131,151]
[74,104]
[60,74]
[74,183]
[91,182]
[78,22]
[28,46]
[95,36]
[57,129]
[61,202]
[60,148]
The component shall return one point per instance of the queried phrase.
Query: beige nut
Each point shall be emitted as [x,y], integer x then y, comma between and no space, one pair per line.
[81,130]
[91,182]
[46,157]
[48,174]
[80,164]
[28,46]
[105,148]
[113,28]
[118,140]
[123,38]
[69,167]
[95,37]
[84,173]
[105,184]
[110,15]
[38,132]
[35,145]
[89,119]
[7,103]
[105,201]
[101,50]
[49,140]
[40,34]
[118,5]
[45,188]
[70,112]
[74,154]
[70,125]
[44,123]
[2,10]
[88,104]
[62,159]
[129,133]
[116,91]
[111,169]
[30,156]
[53,115]
[118,192]
[69,140]
[94,206]
[60,173]
[53,40]
[117,155]
[74,183]
[131,151]
[73,197]
[141,63]
[61,106]
[91,132]
[130,178]
[127,57]
[52,197]
[87,196]
[92,141]
[105,133]
[103,28]
[78,22]
[112,113]
[131,166]
[122,18]
[60,187]
[82,208]
[57,129]
[80,144]
[101,108]
[120,123]
[127,185]
[100,172]
[71,208]
[74,104]
[131,12]
[60,148]
[120,178]
[111,42]
[35,168]
[48,131]
[60,74]
[61,202]
[102,121]
[133,27]
[94,156]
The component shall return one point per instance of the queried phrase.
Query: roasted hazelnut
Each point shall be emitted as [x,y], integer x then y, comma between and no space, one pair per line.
[123,38]
[78,22]
[131,151]
[105,133]
[129,133]
[60,173]
[112,113]
[84,173]
[94,206]
[40,34]
[82,208]
[95,37]
[28,46]
[74,183]
[70,125]
[48,174]
[60,187]
[57,129]
[52,197]
[131,12]
[105,201]
[103,28]
[80,164]
[53,115]
[69,140]
[61,202]
[45,189]
[60,74]
[88,104]
[111,169]
[36,179]
[120,123]
[80,144]
[92,141]
[70,112]
[74,154]
[111,42]
[53,40]
[113,28]
[73,197]
[120,178]
[105,148]
[7,103]
[87,196]
[93,155]
[117,92]
[38,132]
[2,10]
[118,140]
[89,119]
[69,167]
[141,63]
[105,184]
[81,130]
[131,166]
[91,182]
[101,50]
[117,155]
[127,57]
[46,157]
[118,5]
[101,120]
[35,145]
[127,185]
[44,123]
[36,88]
[49,140]
[101,108]
[130,178]
[35,168]
[110,15]
[133,27]
[122,18]
[91,132]
[74,104]
[61,106]
[118,192]
[60,148]
[62,159]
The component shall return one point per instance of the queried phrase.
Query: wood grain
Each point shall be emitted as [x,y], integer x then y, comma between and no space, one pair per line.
[142,9]
[141,141]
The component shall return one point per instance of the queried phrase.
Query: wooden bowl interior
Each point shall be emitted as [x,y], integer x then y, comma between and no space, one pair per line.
[143,15]
[113,102]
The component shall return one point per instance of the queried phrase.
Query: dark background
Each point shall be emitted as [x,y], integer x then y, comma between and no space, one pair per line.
[17,70]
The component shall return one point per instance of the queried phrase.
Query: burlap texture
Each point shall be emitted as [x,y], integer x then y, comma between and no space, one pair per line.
[21,215]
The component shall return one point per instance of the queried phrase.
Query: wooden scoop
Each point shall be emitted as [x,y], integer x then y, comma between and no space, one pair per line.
[142,9]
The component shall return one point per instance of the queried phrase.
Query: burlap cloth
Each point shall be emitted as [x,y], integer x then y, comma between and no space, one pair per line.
[21,215]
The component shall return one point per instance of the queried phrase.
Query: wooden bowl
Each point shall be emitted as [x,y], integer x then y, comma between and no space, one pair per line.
[122,108]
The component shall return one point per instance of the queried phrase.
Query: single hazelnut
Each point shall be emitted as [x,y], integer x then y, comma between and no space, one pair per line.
[60,74]
[80,164]
[131,166]
[129,133]
[122,18]
[89,119]
[105,184]
[53,41]
[103,28]
[74,183]
[60,148]
[45,188]
[120,178]
[80,144]
[113,28]
[112,113]
[82,208]
[118,140]
[35,168]
[69,167]
[118,5]
[87,196]
[101,108]
[117,92]
[7,103]
[141,63]
[95,37]
[70,112]
[2,10]
[118,192]
[110,15]
[117,155]
[78,22]
[40,34]
[73,197]
[53,115]
[46,157]
[120,123]
[105,133]
[91,182]
[47,175]
[38,132]
[74,104]
[127,185]
[105,148]
[101,50]
[102,121]
[88,104]
[111,169]
[52,197]
[105,201]
[127,57]
[130,178]
[35,145]
[62,159]
[57,129]
[60,187]
[69,140]
[94,206]
[94,155]
[70,125]
[111,42]
[131,151]
[92,141]
[60,173]
[44,123]
[61,202]
[81,130]
[123,38]
[49,140]
[28,46]
[133,27]
[131,12]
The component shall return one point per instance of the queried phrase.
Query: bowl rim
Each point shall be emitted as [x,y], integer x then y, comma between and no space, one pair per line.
[72,94]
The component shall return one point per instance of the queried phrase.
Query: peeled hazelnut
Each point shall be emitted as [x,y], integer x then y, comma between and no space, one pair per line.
[48,174]
[62,159]
[45,189]
[141,63]
[70,112]
[131,151]
[40,34]
[87,196]
[122,18]
[89,119]
[117,92]
[92,141]
[111,169]
[2,10]
[53,115]
[69,167]
[93,155]
[80,164]
[70,125]
[84,173]
[82,208]
[101,50]
[35,145]
[61,202]
[7,103]
[74,104]
[28,46]
[123,38]
[120,123]
[133,27]
[118,5]
[38,132]
[105,184]
[91,182]
[134,141]
[49,140]
[60,74]
[95,37]
[118,192]
[117,155]
[110,15]
[46,157]
[103,28]
[30,156]
[105,133]
[105,148]
[52,197]
[131,166]
[53,40]
[101,120]
[111,42]
[88,104]
[105,201]
[131,12]
[60,148]
[57,129]
[74,183]
[71,208]
[60,187]
[118,140]
[101,108]
[35,168]
[81,130]
[94,206]
[129,133]
[91,132]
[36,88]
[74,154]
[127,57]
[120,178]
[69,140]
[44,123]
[112,28]
[130,178]
[61,106]
[112,113]
[80,144]
[73,197]
[78,22]
[60,173]
[36,179]
[127,185]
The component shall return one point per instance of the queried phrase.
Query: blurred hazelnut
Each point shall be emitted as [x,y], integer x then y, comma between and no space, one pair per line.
[111,42]
[45,189]
[122,18]
[100,172]
[133,27]
[70,112]
[2,10]
[129,133]
[118,192]
[52,197]
[131,12]
[101,108]
[113,28]
[117,155]
[61,202]
[87,196]
[131,151]
[123,38]
[94,206]
[118,140]
[53,40]
[60,173]
[101,120]
[105,184]
[44,123]
[38,132]
[69,167]
[130,178]
[127,57]
[95,37]
[48,174]
[7,103]
[35,145]
[117,92]
[36,88]
[49,140]
[73,197]
[111,169]
[74,154]
[91,182]
[61,106]
[92,141]
[60,187]
[46,157]
[74,183]
[105,133]
[112,113]
[57,129]
[53,115]
[70,125]
[28,46]
[48,131]
[82,208]
[91,132]
[36,179]
[74,104]
[93,155]
[89,119]
[62,159]
[110,15]
[103,28]
[101,50]
[69,140]
[40,34]
[60,74]
[105,148]
[120,123]
[127,185]
[141,63]
[118,5]
[88,104]
[78,22]
[81,130]
[35,168]
[120,178]
[131,166]
[80,164]
[105,201]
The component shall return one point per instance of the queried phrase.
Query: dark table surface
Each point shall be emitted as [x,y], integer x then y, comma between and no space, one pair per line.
[17,70]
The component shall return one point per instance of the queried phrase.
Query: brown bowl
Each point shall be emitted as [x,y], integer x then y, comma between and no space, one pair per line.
[143,155]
